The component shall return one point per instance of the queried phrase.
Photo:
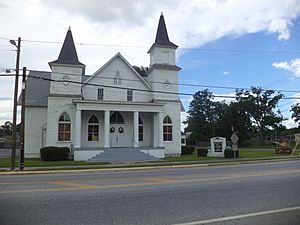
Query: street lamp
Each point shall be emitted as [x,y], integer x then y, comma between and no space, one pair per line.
[14,127]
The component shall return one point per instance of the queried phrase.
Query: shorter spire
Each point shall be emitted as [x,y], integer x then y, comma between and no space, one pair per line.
[68,54]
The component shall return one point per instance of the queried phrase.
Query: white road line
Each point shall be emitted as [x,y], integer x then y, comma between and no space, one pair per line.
[239,216]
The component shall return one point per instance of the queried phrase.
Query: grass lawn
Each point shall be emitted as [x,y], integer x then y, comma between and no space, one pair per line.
[39,162]
[243,154]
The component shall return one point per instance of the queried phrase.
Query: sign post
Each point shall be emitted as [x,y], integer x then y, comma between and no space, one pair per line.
[234,138]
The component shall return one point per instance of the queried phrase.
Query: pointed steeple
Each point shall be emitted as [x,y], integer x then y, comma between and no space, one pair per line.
[162,38]
[68,54]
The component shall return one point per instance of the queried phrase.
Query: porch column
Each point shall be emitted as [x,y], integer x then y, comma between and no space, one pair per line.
[77,128]
[160,129]
[106,129]
[135,129]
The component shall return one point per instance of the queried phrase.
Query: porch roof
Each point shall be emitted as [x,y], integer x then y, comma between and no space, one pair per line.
[118,106]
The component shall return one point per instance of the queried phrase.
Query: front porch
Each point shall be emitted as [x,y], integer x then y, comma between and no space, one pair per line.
[103,127]
[137,154]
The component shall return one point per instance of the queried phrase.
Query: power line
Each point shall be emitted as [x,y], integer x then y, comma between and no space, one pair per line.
[7,50]
[179,84]
[136,89]
[171,83]
[3,38]
[183,48]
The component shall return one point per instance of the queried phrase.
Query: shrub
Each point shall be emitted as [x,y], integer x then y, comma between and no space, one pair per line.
[187,150]
[202,152]
[52,153]
[229,154]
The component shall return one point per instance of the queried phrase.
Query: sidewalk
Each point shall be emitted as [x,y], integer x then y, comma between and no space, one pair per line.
[143,165]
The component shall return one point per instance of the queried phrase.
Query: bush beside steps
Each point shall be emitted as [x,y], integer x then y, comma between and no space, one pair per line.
[187,150]
[52,153]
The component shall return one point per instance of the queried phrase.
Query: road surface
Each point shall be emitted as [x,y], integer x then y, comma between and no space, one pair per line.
[265,193]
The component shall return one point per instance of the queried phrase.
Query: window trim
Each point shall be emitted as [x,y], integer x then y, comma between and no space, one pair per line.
[167,122]
[100,94]
[64,122]
[141,125]
[93,124]
[116,122]
[129,95]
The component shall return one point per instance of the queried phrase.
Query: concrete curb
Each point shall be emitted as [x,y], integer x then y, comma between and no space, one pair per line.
[141,167]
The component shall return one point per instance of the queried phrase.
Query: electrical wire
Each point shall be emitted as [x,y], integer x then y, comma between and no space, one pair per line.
[142,90]
[182,48]
[179,84]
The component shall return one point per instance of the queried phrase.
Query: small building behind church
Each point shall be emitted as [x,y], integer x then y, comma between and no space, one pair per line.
[113,115]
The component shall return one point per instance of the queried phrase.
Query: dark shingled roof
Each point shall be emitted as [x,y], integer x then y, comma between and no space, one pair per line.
[162,38]
[38,90]
[68,54]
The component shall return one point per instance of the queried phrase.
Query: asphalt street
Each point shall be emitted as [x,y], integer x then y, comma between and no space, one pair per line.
[265,193]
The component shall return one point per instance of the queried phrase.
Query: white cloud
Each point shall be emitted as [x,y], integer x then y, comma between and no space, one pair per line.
[228,98]
[290,123]
[225,72]
[293,66]
[132,23]
[184,116]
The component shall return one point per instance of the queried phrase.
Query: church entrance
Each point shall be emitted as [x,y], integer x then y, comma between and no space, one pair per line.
[117,130]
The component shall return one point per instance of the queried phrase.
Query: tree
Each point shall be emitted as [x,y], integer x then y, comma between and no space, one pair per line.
[252,115]
[296,113]
[259,106]
[204,115]
[236,116]
[141,70]
[6,128]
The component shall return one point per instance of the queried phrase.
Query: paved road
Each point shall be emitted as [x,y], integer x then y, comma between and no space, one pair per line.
[242,194]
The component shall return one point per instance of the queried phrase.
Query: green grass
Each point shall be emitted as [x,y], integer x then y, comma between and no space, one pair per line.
[258,147]
[258,154]
[243,154]
[39,162]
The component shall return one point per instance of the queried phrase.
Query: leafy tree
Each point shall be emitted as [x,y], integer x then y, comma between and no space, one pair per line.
[296,113]
[259,106]
[252,114]
[6,128]
[236,116]
[141,70]
[204,116]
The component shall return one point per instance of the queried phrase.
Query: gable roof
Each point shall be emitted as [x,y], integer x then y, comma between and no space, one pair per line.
[68,54]
[126,62]
[38,88]
[162,38]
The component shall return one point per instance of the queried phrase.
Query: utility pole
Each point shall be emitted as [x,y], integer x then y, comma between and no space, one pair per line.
[14,127]
[22,128]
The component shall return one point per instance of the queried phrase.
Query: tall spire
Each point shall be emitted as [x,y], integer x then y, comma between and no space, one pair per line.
[162,38]
[68,54]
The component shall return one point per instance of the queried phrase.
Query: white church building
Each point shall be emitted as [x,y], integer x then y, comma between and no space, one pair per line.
[113,115]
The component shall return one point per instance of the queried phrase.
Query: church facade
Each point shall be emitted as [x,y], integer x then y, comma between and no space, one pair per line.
[115,108]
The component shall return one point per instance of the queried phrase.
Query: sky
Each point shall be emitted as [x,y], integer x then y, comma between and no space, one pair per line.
[228,43]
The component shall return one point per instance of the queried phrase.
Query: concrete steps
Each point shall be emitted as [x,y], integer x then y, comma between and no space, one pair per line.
[122,155]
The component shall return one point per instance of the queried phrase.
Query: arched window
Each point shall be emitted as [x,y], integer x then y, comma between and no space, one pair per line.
[64,127]
[141,130]
[93,129]
[116,118]
[167,129]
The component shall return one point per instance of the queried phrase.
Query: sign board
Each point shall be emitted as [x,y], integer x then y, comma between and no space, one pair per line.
[297,137]
[234,138]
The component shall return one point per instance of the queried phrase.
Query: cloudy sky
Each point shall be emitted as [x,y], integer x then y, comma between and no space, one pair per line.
[232,43]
